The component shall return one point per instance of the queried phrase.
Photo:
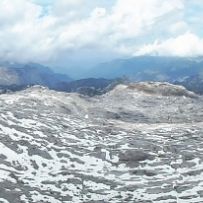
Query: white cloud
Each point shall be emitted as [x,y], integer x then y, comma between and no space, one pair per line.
[28,33]
[187,44]
[68,8]
[127,20]
[179,27]
[12,12]
[98,12]
[132,18]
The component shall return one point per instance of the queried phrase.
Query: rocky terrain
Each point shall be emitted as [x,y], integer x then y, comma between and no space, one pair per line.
[139,143]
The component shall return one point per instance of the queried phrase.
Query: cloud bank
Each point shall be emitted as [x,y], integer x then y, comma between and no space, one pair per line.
[184,45]
[64,30]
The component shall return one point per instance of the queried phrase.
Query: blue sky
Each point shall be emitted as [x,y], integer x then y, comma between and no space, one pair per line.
[82,33]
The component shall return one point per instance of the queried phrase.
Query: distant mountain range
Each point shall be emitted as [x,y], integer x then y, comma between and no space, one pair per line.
[183,71]
[187,72]
[88,86]
[150,68]
[14,77]
[193,83]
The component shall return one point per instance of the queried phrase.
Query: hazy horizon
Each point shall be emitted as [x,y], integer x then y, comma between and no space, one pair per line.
[68,34]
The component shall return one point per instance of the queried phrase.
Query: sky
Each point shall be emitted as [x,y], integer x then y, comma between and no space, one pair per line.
[81,33]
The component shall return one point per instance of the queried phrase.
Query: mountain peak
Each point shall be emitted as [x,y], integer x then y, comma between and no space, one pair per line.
[22,75]
[154,88]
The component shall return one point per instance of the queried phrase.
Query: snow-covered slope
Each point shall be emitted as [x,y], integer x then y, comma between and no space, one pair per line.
[128,145]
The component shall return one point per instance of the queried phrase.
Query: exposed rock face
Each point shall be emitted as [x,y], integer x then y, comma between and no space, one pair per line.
[164,89]
[127,145]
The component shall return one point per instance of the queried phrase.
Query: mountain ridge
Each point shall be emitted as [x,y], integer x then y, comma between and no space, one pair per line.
[151,68]
[184,71]
[14,74]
